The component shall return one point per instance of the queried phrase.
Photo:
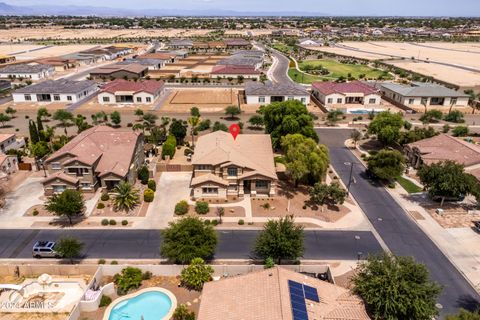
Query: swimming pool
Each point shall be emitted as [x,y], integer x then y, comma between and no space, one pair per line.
[147,304]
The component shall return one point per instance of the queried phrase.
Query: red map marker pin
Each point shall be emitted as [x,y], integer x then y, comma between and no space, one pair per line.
[234,130]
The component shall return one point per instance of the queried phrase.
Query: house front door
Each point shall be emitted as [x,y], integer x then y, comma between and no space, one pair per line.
[247,184]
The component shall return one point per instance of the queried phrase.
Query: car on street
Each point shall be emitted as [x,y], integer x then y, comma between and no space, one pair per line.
[44,249]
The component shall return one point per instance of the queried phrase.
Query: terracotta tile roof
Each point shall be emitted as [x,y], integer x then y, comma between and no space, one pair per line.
[264,295]
[329,87]
[133,68]
[149,86]
[233,69]
[160,56]
[112,148]
[252,151]
[445,147]
[6,136]
[209,177]
[61,176]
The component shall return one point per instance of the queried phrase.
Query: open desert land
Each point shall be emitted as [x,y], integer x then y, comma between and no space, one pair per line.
[458,56]
[254,32]
[52,33]
[207,100]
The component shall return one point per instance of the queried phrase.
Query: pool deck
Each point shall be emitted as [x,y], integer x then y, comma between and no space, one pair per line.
[172,297]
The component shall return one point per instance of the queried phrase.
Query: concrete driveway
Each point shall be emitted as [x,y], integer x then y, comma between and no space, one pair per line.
[171,188]
[25,196]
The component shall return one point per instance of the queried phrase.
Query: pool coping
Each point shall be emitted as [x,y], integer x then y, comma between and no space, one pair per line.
[172,297]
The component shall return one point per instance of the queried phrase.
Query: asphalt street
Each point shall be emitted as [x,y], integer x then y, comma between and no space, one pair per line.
[399,232]
[144,244]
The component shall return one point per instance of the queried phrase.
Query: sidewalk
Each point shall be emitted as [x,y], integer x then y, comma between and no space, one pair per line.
[459,245]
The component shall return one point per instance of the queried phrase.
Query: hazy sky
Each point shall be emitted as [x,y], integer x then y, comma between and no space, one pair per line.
[334,7]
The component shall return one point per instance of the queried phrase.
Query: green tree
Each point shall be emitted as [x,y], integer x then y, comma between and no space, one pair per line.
[256,121]
[139,114]
[323,194]
[356,136]
[10,112]
[40,149]
[396,288]
[218,126]
[129,278]
[81,124]
[460,131]
[193,121]
[43,113]
[149,120]
[445,179]
[69,248]
[289,117]
[431,116]
[32,128]
[64,117]
[194,112]
[232,111]
[186,239]
[182,313]
[115,118]
[280,239]
[125,196]
[69,204]
[386,164]
[454,116]
[306,161]
[196,274]
[4,119]
[386,126]
[178,129]
[465,315]
[333,116]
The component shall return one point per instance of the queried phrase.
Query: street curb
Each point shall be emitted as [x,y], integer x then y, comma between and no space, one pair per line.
[446,254]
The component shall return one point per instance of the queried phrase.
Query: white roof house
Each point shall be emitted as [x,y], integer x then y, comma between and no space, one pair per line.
[27,71]
[268,92]
[66,91]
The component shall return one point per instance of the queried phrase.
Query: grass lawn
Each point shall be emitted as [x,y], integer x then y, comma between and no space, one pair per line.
[408,185]
[300,77]
[282,47]
[337,70]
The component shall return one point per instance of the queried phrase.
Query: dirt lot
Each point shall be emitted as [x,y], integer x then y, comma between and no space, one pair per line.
[294,200]
[212,100]
[454,216]
[465,54]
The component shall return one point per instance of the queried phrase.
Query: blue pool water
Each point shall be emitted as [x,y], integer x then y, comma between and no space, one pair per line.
[152,305]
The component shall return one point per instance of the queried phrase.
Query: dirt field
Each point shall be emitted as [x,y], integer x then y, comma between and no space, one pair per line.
[213,100]
[464,54]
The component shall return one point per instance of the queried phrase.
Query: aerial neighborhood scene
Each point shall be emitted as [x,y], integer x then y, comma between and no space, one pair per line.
[253,160]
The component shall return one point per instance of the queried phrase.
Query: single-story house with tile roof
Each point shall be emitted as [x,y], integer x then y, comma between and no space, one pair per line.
[180,44]
[168,57]
[151,64]
[419,94]
[238,43]
[331,93]
[59,63]
[124,91]
[278,294]
[268,92]
[62,90]
[27,71]
[444,147]
[226,71]
[9,141]
[223,166]
[120,71]
[99,157]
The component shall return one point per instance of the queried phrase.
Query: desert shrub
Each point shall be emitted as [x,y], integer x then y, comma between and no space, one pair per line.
[181,208]
[148,195]
[241,222]
[129,278]
[112,222]
[152,185]
[114,262]
[101,261]
[35,212]
[105,197]
[266,206]
[214,222]
[146,275]
[104,222]
[143,174]
[124,222]
[100,205]
[105,301]
[201,207]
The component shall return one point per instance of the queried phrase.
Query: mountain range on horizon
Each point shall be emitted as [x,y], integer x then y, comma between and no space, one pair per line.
[14,10]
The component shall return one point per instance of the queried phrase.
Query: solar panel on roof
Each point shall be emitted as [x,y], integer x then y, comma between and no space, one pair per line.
[299,315]
[311,293]
[294,284]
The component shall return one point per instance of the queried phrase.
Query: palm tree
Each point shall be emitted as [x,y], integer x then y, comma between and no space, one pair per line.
[193,122]
[125,196]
